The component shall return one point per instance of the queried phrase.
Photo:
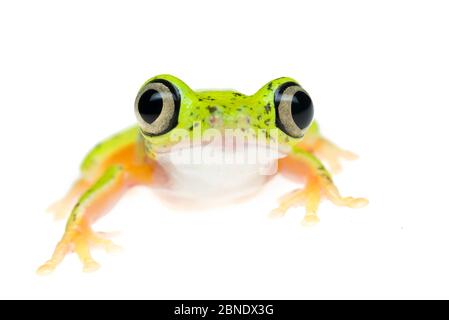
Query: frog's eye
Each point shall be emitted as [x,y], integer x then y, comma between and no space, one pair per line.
[294,109]
[157,107]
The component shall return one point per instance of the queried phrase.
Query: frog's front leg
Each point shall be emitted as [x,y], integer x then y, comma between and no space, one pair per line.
[78,235]
[62,207]
[107,175]
[318,184]
[314,142]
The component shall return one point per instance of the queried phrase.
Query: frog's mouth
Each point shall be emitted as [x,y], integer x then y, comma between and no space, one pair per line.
[225,144]
[240,155]
[232,145]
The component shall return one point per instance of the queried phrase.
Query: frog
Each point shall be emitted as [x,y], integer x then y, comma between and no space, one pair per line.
[173,118]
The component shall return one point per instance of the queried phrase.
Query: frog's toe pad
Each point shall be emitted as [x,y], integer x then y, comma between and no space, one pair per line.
[310,220]
[46,268]
[349,202]
[90,266]
[99,240]
[356,202]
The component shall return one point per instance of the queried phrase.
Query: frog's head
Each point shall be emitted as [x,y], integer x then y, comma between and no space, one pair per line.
[168,111]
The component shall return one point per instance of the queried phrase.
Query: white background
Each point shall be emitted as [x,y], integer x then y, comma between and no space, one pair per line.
[378,74]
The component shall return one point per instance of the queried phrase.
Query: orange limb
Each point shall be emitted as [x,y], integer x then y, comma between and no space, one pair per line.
[326,151]
[318,184]
[122,170]
[61,208]
[129,155]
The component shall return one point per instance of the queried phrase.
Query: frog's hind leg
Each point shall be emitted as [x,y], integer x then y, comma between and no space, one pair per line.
[318,185]
[314,142]
[61,208]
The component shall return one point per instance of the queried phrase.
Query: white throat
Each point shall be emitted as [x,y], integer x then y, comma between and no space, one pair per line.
[211,174]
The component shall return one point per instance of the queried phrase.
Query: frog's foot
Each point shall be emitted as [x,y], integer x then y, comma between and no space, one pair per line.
[292,199]
[311,195]
[331,154]
[79,240]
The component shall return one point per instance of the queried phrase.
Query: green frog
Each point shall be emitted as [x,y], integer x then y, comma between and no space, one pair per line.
[203,147]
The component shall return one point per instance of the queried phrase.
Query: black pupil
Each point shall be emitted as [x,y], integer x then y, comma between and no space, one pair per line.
[302,109]
[150,106]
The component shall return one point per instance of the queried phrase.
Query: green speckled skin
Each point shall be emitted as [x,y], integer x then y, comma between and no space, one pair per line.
[107,147]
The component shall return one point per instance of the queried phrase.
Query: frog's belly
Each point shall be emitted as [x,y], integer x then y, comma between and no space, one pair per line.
[205,182]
